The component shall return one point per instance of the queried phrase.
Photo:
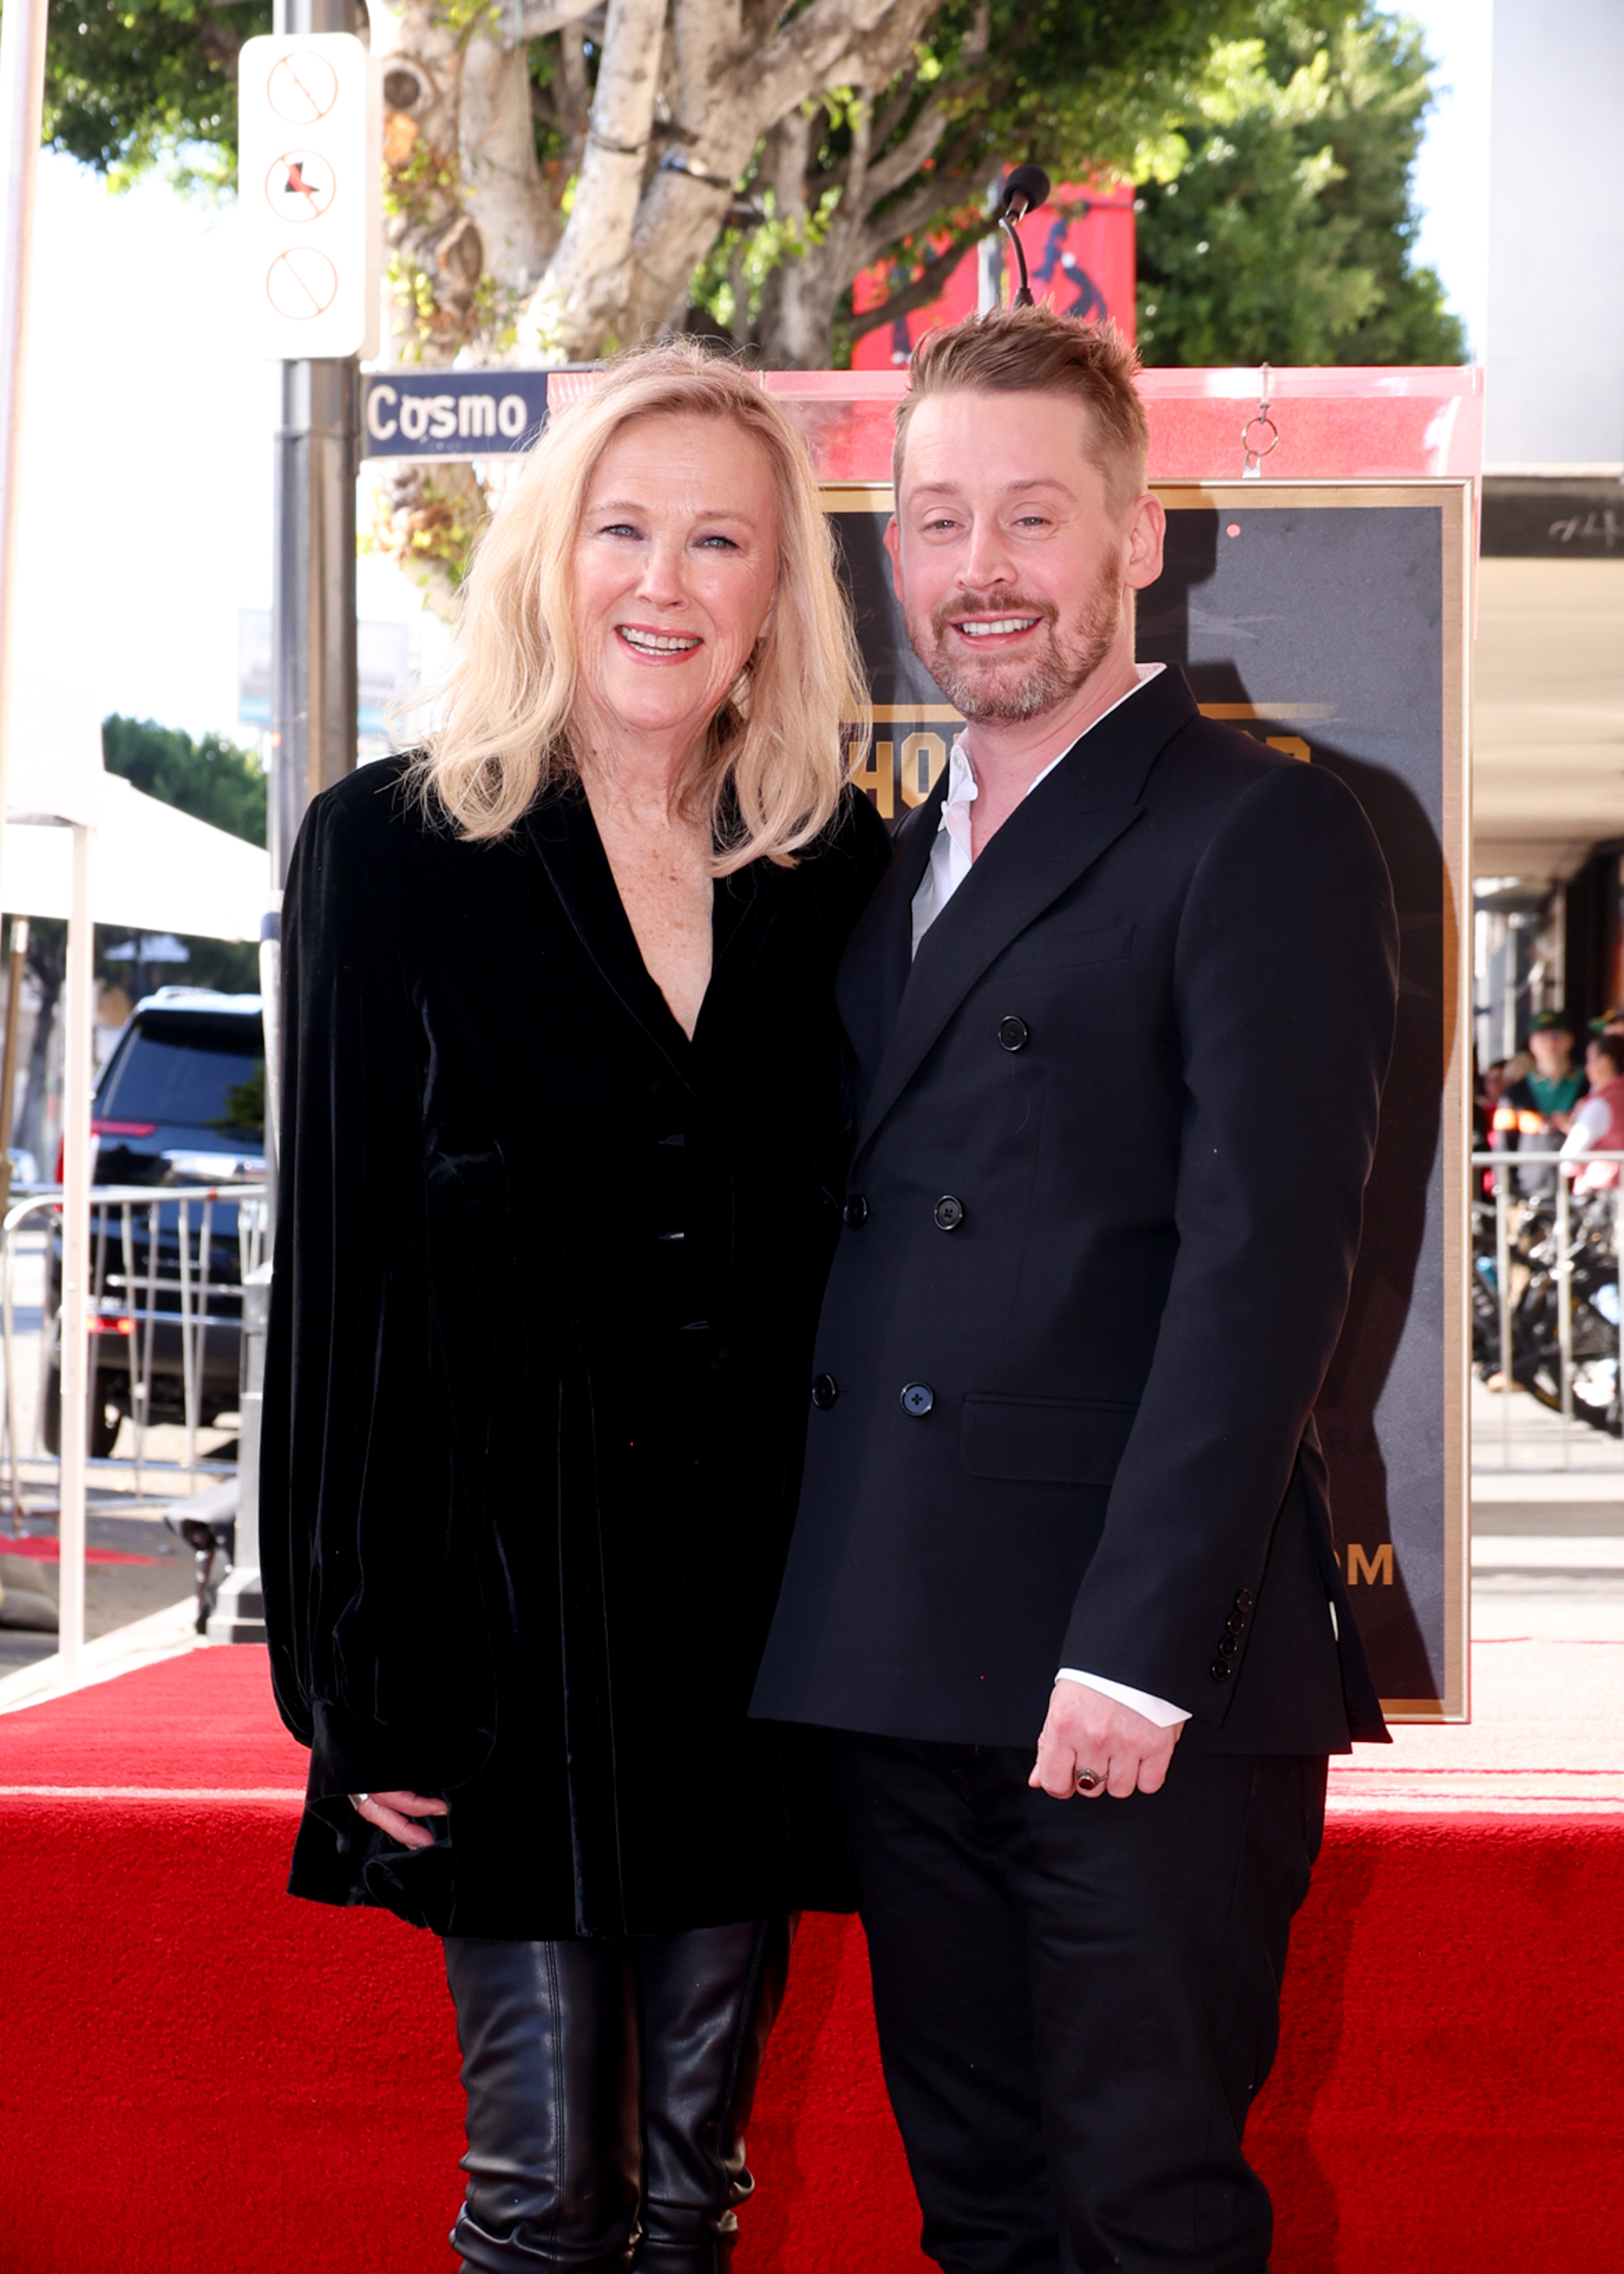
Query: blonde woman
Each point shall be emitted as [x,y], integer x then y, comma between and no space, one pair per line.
[564,1127]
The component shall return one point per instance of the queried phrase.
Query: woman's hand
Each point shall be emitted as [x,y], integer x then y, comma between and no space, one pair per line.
[393,1811]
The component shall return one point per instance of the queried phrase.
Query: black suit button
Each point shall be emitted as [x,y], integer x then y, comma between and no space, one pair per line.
[1227,1646]
[856,1210]
[1244,1601]
[949,1213]
[1220,1669]
[825,1390]
[1234,1624]
[1014,1033]
[918,1398]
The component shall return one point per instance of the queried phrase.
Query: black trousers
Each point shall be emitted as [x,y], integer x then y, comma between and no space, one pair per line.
[608,2087]
[1079,2000]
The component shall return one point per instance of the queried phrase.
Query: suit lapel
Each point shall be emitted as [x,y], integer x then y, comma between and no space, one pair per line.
[874,970]
[1060,829]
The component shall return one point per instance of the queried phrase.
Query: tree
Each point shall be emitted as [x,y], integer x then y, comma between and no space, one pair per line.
[564,177]
[214,780]
[1285,231]
[131,85]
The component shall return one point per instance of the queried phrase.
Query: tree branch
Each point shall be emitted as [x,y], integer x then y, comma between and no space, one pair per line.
[541,17]
[901,164]
[925,289]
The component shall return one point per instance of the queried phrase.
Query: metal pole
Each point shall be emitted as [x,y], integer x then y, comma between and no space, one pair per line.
[1502,1287]
[22,95]
[1564,1304]
[77,1036]
[313,705]
[313,688]
[1618,1256]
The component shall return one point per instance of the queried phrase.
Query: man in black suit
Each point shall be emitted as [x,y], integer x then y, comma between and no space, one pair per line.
[1121,1009]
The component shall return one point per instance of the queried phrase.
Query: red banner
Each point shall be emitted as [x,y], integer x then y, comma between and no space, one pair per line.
[1080,251]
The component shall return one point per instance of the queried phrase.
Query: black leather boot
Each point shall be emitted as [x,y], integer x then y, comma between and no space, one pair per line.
[549,2037]
[708,2000]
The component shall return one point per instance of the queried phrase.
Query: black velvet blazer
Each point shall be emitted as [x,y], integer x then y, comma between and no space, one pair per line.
[546,1279]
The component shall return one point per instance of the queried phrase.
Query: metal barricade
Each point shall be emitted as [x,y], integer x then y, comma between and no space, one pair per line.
[152,1284]
[1557,1291]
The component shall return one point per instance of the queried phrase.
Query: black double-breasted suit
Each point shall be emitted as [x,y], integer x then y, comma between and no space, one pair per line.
[1116,1117]
[1115,1124]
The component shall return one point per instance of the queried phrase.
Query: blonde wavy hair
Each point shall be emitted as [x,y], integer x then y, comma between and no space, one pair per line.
[772,766]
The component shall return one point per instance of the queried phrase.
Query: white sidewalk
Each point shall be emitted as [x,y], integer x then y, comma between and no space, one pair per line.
[1547,1524]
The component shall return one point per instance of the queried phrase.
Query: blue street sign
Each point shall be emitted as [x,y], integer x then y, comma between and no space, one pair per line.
[451,414]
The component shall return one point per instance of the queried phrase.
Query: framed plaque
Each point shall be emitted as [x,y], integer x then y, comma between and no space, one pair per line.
[1331,620]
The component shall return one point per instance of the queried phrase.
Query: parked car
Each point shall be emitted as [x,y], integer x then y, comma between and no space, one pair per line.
[180,1103]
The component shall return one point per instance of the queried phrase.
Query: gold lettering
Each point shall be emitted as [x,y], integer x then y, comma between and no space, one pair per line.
[1370,1567]
[923,757]
[877,777]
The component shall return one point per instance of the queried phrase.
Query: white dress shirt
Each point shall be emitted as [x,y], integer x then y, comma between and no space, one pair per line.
[950,862]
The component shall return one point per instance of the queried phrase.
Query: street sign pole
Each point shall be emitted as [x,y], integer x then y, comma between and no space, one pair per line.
[314,187]
[313,688]
[313,691]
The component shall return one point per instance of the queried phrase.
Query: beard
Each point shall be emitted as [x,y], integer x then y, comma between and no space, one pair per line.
[1003,687]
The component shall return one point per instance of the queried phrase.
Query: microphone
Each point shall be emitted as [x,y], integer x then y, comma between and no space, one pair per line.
[1025,188]
[1024,192]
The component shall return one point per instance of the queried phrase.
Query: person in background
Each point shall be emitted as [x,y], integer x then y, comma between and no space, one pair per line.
[1597,1124]
[1534,1111]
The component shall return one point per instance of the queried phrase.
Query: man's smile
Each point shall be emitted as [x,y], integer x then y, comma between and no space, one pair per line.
[977,627]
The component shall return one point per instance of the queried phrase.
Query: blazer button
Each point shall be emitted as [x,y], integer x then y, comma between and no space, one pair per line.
[1234,1624]
[918,1398]
[1244,1601]
[1014,1033]
[1227,1646]
[949,1213]
[856,1210]
[825,1390]
[1219,1669]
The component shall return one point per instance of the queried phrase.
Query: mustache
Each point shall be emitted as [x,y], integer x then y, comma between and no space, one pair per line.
[1003,604]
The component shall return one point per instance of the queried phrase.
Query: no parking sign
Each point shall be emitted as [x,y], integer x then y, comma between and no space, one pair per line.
[308,174]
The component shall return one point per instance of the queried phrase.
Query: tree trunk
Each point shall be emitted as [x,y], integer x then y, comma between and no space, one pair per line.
[581,300]
[502,186]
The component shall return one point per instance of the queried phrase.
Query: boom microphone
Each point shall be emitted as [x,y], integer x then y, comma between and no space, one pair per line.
[1025,188]
[1024,191]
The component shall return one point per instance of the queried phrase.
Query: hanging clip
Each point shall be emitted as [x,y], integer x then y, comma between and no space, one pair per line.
[1257,451]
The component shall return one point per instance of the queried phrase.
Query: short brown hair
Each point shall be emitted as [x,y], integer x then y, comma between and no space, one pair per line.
[1035,351]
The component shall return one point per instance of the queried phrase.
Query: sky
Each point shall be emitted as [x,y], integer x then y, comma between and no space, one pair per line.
[149,425]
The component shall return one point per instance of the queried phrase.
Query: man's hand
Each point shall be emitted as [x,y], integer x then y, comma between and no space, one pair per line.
[1087,1731]
[393,1811]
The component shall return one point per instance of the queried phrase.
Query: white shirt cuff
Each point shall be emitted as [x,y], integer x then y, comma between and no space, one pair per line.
[1153,1709]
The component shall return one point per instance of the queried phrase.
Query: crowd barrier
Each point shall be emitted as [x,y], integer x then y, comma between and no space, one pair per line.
[162,1309]
[1548,1283]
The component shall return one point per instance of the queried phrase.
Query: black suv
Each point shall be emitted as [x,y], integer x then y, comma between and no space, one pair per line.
[181,1102]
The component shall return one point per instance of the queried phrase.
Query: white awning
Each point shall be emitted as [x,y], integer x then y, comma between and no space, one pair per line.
[153,867]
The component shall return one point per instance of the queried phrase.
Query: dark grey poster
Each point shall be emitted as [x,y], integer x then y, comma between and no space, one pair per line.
[1330,619]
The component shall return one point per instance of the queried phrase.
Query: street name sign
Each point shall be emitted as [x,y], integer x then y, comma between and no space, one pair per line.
[309,185]
[452,414]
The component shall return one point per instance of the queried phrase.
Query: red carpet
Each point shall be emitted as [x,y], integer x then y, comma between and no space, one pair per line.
[204,2077]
